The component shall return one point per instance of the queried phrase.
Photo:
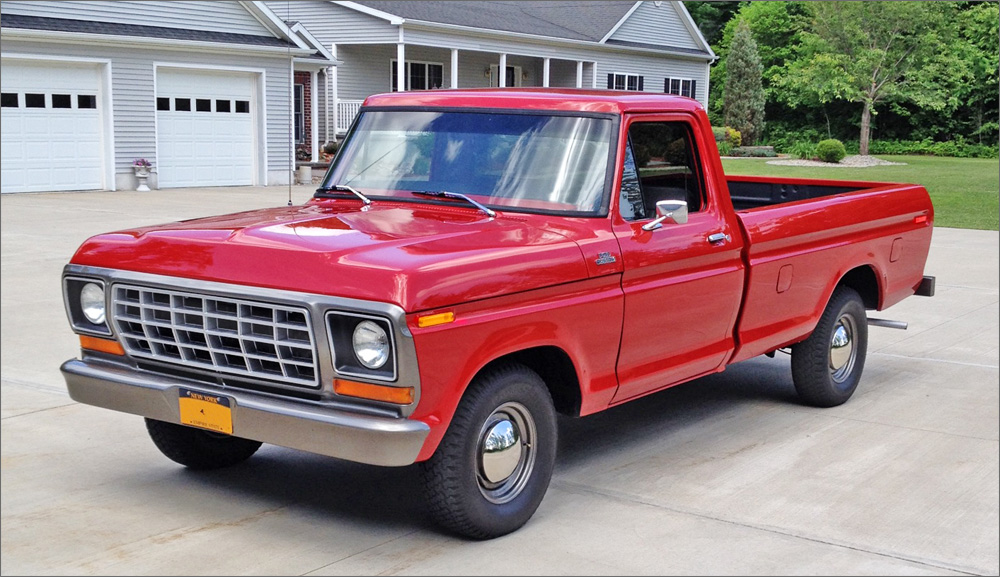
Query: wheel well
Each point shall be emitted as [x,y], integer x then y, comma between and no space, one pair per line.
[555,367]
[863,280]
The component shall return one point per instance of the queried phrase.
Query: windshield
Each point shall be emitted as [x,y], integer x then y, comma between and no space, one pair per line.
[531,162]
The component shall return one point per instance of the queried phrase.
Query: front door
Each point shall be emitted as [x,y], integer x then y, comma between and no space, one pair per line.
[682,282]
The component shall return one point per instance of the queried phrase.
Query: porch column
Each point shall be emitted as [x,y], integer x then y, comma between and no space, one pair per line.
[545,72]
[333,99]
[579,73]
[314,116]
[593,83]
[401,67]
[454,67]
[502,71]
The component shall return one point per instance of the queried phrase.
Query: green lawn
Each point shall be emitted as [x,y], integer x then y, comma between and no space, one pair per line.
[965,191]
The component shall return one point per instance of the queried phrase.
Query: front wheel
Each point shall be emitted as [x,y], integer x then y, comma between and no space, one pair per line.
[197,448]
[493,466]
[826,367]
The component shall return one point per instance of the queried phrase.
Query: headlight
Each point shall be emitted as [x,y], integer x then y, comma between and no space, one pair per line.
[92,302]
[371,344]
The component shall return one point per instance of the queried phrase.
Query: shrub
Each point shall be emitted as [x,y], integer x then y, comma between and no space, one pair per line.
[331,147]
[785,140]
[753,152]
[830,150]
[802,149]
[719,132]
[725,149]
[733,137]
[675,152]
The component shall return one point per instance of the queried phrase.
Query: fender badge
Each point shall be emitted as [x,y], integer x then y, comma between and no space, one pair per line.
[605,258]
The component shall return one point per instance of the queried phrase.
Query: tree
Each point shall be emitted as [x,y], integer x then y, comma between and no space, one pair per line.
[744,94]
[711,17]
[870,53]
[776,28]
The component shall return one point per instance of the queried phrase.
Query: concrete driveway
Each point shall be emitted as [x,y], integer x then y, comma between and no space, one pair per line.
[725,475]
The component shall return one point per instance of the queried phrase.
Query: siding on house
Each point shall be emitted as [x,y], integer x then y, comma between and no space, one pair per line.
[330,22]
[230,17]
[134,98]
[660,25]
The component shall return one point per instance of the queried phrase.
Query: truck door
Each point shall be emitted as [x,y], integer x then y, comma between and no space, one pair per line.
[683,282]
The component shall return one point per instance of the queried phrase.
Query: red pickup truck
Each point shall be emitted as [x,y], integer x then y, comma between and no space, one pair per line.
[474,263]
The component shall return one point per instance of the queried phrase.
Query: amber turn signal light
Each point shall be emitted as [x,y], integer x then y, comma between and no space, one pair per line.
[397,395]
[101,345]
[433,320]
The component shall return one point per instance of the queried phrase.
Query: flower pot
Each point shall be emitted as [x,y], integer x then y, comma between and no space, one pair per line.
[141,173]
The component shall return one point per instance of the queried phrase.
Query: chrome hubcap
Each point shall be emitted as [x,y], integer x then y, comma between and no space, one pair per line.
[842,350]
[501,451]
[505,453]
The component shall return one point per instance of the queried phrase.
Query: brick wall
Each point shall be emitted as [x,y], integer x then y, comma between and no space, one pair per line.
[304,79]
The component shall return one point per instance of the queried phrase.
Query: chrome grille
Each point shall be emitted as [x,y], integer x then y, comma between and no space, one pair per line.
[234,336]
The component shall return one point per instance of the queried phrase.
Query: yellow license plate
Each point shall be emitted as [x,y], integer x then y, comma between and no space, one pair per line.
[206,411]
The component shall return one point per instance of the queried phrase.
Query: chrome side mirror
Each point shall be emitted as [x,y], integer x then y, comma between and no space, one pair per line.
[672,211]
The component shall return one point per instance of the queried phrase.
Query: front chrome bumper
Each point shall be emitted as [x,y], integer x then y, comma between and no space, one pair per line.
[298,425]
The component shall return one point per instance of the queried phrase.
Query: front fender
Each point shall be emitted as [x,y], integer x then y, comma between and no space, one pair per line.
[583,319]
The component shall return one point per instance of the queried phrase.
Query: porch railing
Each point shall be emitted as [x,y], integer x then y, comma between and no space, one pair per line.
[346,111]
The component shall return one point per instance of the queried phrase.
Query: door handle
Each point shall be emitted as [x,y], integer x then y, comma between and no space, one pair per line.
[719,237]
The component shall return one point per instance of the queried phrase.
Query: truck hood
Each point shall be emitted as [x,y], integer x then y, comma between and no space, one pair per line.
[416,256]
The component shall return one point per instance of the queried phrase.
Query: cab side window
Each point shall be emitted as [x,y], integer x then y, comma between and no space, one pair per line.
[660,164]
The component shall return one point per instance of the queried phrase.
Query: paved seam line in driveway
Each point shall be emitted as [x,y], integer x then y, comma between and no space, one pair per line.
[570,485]
[352,555]
[932,360]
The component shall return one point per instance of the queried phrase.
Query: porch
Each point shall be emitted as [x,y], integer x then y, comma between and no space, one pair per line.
[372,68]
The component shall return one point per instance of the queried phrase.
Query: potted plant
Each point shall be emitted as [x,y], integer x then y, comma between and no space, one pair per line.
[141,168]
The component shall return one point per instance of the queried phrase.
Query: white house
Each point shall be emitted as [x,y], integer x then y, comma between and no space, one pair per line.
[201,89]
[625,45]
[219,93]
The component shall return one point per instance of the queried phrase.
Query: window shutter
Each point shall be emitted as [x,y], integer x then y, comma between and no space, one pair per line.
[666,86]
[611,81]
[640,84]
[694,86]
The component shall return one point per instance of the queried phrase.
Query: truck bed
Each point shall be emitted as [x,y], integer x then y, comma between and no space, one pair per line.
[799,231]
[748,192]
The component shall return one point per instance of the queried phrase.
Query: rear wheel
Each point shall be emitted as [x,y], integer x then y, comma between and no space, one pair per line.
[827,366]
[199,449]
[493,467]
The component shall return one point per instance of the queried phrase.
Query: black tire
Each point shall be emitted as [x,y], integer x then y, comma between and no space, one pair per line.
[198,449]
[480,493]
[827,366]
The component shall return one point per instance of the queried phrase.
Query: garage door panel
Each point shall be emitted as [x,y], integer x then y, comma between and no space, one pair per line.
[213,147]
[59,146]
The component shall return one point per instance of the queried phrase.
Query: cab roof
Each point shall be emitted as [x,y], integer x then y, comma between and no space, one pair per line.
[560,99]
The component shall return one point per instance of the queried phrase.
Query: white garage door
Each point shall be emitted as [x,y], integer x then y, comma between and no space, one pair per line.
[52,137]
[205,128]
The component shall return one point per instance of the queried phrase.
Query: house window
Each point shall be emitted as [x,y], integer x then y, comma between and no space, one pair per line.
[419,75]
[680,86]
[203,105]
[632,82]
[162,103]
[9,100]
[300,117]
[222,106]
[243,107]
[90,101]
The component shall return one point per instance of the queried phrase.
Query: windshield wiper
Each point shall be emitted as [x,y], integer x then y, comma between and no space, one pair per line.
[344,188]
[456,196]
